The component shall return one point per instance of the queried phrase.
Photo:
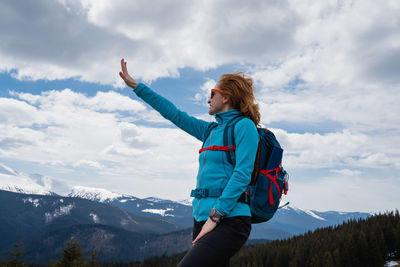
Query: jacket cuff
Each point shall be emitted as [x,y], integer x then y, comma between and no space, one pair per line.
[139,89]
[220,210]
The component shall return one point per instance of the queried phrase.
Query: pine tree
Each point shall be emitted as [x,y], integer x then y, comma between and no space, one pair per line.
[92,262]
[15,255]
[71,256]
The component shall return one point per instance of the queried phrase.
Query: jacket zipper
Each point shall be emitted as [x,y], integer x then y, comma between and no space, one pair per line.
[204,165]
[201,174]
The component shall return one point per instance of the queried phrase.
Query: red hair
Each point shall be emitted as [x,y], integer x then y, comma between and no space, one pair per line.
[239,88]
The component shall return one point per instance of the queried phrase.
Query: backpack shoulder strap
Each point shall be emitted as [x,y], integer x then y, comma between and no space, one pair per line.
[229,138]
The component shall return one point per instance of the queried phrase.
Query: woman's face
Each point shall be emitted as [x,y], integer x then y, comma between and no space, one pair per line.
[218,102]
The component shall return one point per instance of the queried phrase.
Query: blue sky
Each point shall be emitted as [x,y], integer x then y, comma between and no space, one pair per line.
[326,75]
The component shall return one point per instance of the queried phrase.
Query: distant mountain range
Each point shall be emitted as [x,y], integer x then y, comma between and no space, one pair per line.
[288,221]
[116,224]
[48,221]
[178,212]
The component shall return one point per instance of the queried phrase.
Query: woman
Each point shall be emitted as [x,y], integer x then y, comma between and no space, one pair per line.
[222,224]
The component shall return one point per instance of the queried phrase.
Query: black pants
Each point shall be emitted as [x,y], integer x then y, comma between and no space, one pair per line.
[219,245]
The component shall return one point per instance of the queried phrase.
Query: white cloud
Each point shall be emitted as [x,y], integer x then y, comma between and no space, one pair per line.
[204,94]
[314,62]
[337,72]
[80,135]
[347,172]
[345,192]
[15,112]
[332,150]
[87,164]
[85,39]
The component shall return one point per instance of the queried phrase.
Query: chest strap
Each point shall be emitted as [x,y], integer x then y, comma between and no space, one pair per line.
[218,148]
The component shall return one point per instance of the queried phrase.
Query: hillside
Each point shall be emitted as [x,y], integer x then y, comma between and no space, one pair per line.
[32,216]
[111,244]
[364,242]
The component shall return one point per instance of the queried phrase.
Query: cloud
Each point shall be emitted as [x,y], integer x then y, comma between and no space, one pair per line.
[333,150]
[343,70]
[46,40]
[15,112]
[320,43]
[87,164]
[204,94]
[327,67]
[85,39]
[346,192]
[90,139]
[347,172]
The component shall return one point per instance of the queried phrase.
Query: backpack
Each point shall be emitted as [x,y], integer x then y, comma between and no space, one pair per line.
[268,180]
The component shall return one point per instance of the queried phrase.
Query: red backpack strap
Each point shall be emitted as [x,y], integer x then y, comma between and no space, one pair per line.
[273,181]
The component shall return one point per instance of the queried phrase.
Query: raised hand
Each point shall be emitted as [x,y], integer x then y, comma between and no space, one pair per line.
[126,77]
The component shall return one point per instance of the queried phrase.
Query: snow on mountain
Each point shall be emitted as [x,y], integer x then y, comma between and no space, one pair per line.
[97,194]
[61,211]
[312,214]
[34,201]
[158,211]
[299,211]
[155,199]
[186,202]
[13,181]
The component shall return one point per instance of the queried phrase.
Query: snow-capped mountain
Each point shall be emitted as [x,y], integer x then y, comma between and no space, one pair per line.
[49,217]
[106,196]
[288,221]
[186,202]
[97,194]
[11,180]
[152,207]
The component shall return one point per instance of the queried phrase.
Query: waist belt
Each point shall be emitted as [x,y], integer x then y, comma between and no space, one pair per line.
[206,192]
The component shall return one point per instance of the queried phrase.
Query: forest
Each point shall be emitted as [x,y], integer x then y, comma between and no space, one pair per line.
[363,242]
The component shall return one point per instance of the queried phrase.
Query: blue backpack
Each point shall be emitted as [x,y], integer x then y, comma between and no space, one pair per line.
[268,180]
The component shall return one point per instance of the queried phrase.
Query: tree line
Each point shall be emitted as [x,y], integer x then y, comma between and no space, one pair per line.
[363,242]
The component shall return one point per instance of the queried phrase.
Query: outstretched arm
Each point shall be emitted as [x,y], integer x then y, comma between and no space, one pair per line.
[166,108]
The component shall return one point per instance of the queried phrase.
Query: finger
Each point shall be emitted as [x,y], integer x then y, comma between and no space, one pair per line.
[123,67]
[198,237]
[122,64]
[194,241]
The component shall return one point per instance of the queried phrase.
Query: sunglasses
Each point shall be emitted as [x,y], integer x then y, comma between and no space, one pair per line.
[215,90]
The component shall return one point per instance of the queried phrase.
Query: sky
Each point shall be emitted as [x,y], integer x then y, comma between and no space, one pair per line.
[326,75]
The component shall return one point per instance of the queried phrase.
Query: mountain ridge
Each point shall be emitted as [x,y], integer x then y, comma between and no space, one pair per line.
[287,222]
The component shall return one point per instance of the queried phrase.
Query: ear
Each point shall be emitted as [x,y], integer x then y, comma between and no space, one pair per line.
[226,99]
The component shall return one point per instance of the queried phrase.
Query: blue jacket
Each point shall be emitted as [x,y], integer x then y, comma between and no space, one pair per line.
[214,169]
